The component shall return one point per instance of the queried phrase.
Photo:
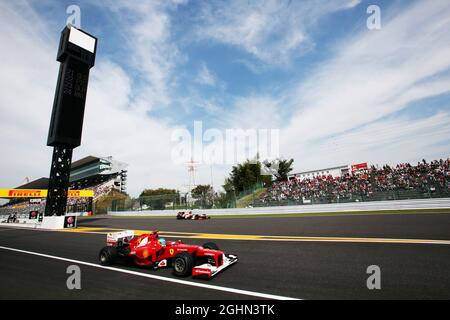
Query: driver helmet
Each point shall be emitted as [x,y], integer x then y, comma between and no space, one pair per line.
[162,241]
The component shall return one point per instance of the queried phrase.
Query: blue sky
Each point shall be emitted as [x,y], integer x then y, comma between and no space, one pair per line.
[229,69]
[338,92]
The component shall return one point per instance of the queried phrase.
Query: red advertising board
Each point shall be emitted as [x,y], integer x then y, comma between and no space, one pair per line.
[359,166]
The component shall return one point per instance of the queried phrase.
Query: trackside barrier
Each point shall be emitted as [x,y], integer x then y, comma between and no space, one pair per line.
[51,223]
[317,208]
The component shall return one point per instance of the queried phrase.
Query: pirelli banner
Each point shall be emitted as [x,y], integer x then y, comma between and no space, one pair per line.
[41,193]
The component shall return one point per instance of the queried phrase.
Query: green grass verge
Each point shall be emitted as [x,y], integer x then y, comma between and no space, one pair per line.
[248,199]
[318,214]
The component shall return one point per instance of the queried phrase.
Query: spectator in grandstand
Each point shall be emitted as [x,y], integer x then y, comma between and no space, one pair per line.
[424,178]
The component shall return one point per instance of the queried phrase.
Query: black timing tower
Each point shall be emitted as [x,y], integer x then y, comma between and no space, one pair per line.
[76,53]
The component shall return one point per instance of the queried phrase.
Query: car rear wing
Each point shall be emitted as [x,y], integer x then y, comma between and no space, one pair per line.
[119,238]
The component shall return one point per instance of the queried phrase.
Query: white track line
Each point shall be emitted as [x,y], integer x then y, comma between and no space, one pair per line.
[150,276]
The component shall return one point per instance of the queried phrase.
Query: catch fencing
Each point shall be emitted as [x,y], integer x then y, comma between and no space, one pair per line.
[304,209]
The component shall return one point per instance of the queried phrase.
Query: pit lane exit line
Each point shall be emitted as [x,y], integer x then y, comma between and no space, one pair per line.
[154,277]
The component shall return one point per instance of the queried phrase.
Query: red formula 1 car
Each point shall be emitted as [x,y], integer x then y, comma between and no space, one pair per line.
[150,250]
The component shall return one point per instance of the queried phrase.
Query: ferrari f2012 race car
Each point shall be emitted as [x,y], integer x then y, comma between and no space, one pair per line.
[150,250]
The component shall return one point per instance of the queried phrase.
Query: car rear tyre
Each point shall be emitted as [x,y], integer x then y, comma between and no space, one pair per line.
[211,245]
[107,256]
[182,264]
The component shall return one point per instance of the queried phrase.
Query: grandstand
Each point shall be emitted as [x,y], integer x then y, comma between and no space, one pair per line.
[102,175]
[93,171]
[363,183]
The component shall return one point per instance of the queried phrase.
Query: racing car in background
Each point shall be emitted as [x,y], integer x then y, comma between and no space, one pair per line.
[188,215]
[150,250]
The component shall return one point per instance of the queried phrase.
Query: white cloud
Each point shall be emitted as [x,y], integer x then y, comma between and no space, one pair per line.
[28,81]
[346,111]
[153,54]
[390,141]
[254,112]
[373,75]
[112,126]
[272,31]
[205,76]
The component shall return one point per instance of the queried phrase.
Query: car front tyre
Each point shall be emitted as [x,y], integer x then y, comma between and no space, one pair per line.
[182,264]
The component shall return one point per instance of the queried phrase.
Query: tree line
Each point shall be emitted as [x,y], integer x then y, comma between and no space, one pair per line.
[244,177]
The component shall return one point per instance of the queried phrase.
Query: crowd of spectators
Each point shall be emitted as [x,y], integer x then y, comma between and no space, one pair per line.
[22,209]
[85,204]
[425,177]
[102,189]
[73,204]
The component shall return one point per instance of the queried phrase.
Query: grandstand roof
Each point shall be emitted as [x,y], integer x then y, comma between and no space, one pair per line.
[84,161]
[41,183]
[85,171]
